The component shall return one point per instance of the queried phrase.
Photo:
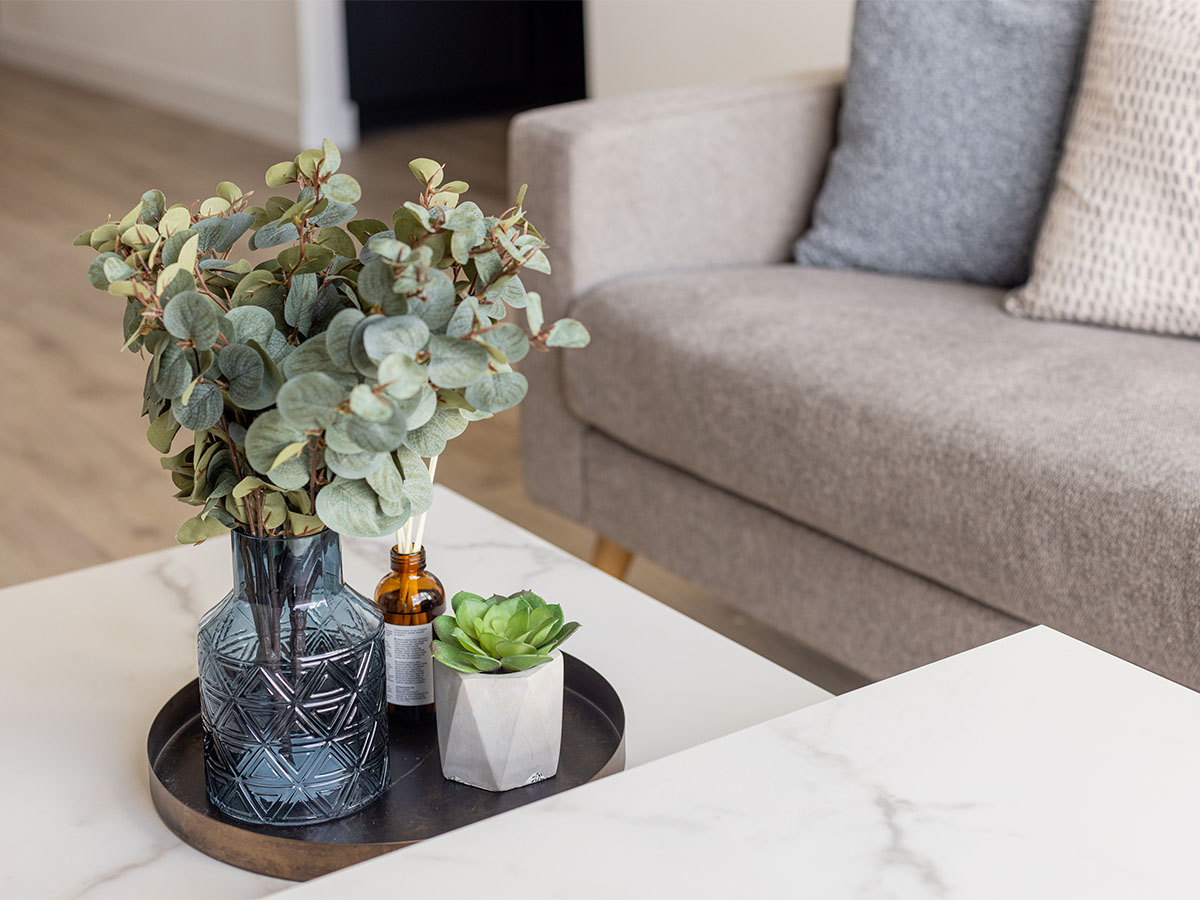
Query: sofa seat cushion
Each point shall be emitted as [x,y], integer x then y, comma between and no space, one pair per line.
[1049,470]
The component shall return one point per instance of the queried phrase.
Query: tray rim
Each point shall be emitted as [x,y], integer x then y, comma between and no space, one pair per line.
[294,858]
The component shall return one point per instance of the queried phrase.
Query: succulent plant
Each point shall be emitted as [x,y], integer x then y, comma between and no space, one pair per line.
[507,634]
[313,382]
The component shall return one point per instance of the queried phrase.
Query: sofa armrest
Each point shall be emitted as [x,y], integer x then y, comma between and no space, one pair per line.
[676,179]
[700,176]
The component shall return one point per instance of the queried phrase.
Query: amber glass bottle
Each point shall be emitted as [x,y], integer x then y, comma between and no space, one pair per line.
[410,598]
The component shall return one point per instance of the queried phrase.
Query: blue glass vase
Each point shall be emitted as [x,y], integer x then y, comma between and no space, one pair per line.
[292,686]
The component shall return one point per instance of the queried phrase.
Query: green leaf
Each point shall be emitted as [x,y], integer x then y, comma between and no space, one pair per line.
[337,436]
[338,241]
[282,173]
[192,316]
[363,229]
[203,408]
[430,439]
[365,404]
[308,160]
[434,305]
[426,171]
[533,311]
[509,339]
[418,486]
[273,234]
[289,452]
[419,408]
[568,333]
[309,400]
[444,626]
[496,393]
[337,338]
[254,379]
[195,530]
[380,437]
[387,484]
[375,282]
[301,299]
[350,507]
[116,269]
[521,663]
[343,189]
[331,158]
[170,371]
[251,323]
[266,436]
[456,363]
[229,192]
[562,634]
[353,465]
[401,375]
[162,432]
[336,213]
[395,334]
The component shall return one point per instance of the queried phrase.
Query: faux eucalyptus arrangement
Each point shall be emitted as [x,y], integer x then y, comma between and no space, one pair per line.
[509,634]
[313,382]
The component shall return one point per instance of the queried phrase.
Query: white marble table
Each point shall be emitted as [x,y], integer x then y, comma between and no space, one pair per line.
[1035,766]
[90,657]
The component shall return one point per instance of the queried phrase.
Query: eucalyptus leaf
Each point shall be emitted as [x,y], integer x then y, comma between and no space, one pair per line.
[301,299]
[203,408]
[568,333]
[496,393]
[251,323]
[401,375]
[337,337]
[509,339]
[267,436]
[430,439]
[455,362]
[394,334]
[353,465]
[191,316]
[309,400]
[350,507]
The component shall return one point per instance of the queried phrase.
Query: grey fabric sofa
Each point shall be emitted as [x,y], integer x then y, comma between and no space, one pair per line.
[890,469]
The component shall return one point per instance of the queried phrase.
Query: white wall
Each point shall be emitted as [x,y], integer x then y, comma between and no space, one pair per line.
[637,45]
[236,63]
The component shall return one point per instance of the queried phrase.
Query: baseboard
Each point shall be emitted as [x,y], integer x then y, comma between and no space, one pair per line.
[187,91]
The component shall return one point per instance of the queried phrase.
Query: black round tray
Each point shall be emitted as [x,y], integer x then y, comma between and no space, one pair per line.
[418,804]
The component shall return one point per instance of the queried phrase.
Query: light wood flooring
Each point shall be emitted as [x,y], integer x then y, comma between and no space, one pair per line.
[79,485]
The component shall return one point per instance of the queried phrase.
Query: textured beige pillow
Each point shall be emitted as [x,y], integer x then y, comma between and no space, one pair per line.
[1120,243]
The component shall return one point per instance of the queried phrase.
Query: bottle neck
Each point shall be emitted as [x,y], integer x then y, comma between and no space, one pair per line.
[408,563]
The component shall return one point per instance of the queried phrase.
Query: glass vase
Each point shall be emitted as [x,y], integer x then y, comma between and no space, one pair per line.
[292,688]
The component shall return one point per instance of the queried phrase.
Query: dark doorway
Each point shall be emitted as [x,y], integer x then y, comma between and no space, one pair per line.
[418,60]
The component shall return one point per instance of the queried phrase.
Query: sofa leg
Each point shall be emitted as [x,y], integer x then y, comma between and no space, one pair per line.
[611,557]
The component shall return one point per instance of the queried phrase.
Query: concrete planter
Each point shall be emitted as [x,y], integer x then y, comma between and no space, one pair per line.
[499,732]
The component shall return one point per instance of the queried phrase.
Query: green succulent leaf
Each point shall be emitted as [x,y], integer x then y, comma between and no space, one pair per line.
[522,663]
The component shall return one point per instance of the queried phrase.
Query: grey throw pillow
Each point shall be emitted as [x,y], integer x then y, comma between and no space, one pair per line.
[951,122]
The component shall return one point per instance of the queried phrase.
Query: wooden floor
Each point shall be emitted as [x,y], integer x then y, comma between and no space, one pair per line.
[79,485]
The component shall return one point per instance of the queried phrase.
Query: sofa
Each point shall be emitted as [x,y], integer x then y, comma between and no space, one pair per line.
[889,469]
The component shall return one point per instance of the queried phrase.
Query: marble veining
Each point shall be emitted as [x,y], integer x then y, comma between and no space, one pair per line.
[98,651]
[1033,767]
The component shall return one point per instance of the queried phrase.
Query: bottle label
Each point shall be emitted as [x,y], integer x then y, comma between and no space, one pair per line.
[407,649]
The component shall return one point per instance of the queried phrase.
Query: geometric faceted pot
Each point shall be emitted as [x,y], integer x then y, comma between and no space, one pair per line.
[502,731]
[292,687]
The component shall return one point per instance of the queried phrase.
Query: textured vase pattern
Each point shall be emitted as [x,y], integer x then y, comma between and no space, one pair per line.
[292,687]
